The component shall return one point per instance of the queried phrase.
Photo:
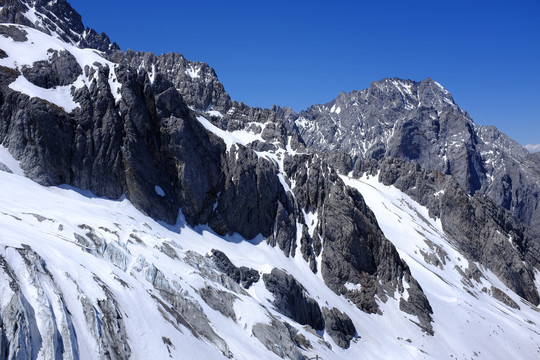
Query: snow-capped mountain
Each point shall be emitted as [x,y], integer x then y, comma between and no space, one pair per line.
[145,214]
[420,122]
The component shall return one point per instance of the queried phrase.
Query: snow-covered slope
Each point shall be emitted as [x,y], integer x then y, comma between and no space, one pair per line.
[28,46]
[468,321]
[80,266]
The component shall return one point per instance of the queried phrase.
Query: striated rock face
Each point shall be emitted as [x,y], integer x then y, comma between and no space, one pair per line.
[100,138]
[513,175]
[356,259]
[250,197]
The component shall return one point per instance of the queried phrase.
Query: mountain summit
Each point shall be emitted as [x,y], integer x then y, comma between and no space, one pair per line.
[146,214]
[420,122]
[56,18]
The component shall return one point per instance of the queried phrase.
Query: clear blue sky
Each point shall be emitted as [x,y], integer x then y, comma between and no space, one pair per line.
[300,53]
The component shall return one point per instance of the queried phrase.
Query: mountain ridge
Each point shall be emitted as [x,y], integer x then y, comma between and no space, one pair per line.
[161,133]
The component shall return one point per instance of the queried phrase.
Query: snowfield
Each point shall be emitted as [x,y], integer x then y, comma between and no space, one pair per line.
[133,251]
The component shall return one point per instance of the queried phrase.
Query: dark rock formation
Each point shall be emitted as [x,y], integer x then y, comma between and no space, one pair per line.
[250,197]
[242,275]
[196,81]
[13,32]
[339,326]
[62,69]
[292,300]
[503,297]
[354,249]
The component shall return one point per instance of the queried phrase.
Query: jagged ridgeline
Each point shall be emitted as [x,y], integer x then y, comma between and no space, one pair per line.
[167,220]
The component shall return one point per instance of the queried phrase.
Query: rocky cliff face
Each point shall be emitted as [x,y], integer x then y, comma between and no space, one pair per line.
[161,132]
[196,81]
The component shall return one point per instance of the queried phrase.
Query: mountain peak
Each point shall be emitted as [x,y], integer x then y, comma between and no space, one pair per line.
[428,92]
[56,18]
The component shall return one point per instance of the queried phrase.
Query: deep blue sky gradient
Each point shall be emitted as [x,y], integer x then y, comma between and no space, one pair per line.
[300,53]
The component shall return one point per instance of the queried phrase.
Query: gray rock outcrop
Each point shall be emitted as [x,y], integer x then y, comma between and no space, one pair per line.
[276,337]
[242,275]
[292,300]
[339,326]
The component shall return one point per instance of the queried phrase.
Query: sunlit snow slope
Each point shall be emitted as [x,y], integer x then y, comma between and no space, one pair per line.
[468,321]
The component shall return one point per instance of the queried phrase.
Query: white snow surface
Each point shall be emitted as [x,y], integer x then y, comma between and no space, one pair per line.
[467,321]
[7,159]
[60,95]
[241,137]
[335,109]
[215,113]
[192,72]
